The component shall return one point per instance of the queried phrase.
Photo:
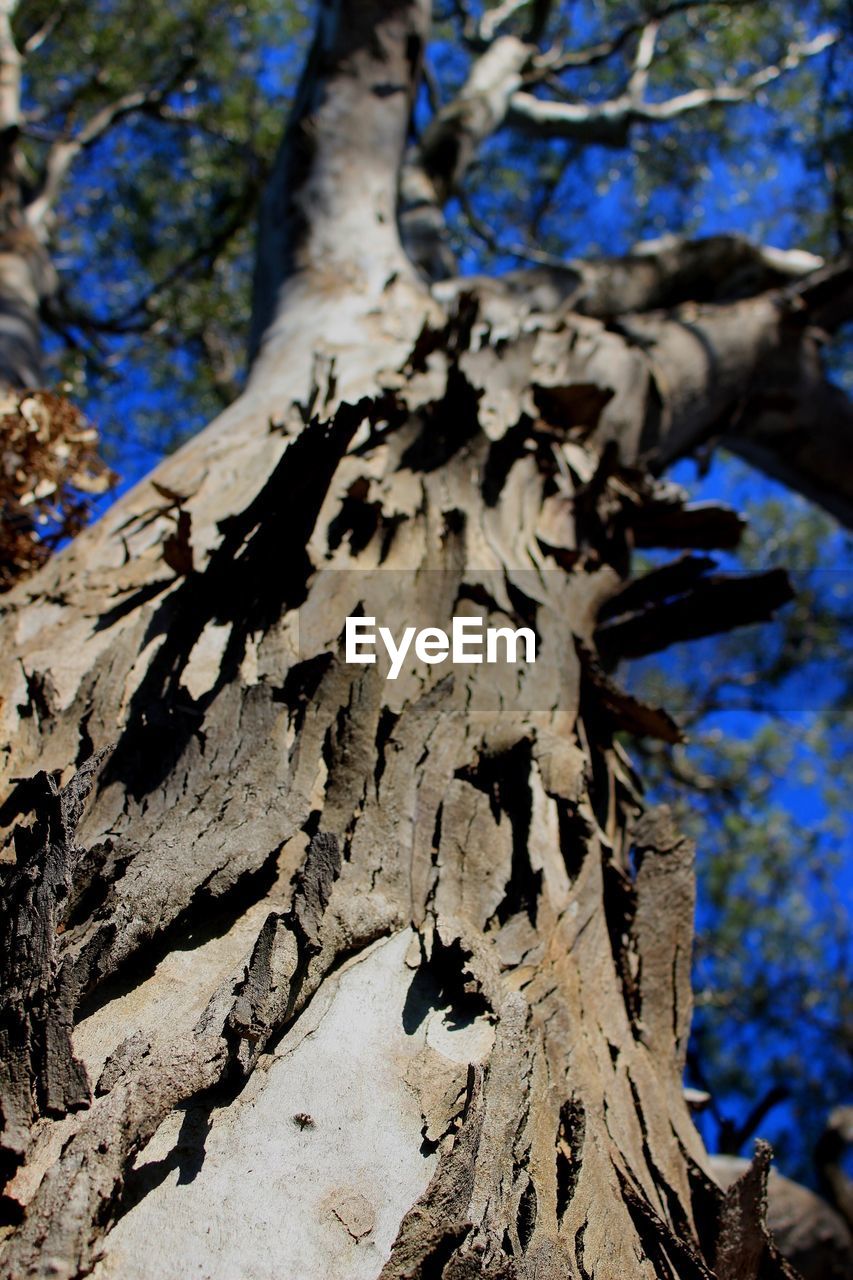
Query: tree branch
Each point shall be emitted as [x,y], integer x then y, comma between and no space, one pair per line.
[758,366]
[190,118]
[65,151]
[655,275]
[328,214]
[11,64]
[803,437]
[708,605]
[609,122]
[33,42]
[434,169]
[524,252]
[140,315]
[556,60]
[733,335]
[643,59]
[494,94]
[493,19]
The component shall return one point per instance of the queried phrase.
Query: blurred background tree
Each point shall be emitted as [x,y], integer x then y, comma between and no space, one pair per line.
[136,138]
[149,130]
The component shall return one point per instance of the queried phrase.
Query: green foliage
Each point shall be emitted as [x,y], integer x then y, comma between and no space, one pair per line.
[773,168]
[153,231]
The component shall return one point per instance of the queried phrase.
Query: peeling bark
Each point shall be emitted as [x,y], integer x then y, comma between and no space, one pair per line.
[490,812]
[39,1073]
[435,1015]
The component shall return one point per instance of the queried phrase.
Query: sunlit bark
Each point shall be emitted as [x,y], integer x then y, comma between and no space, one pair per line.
[368,977]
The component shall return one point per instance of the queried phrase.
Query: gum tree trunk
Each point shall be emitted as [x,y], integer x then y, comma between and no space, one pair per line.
[26,274]
[313,973]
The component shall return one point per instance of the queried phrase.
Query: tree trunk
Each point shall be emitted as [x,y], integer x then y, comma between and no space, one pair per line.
[24,282]
[26,273]
[370,977]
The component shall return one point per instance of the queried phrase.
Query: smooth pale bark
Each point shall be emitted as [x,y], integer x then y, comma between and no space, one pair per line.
[29,196]
[26,278]
[23,276]
[367,978]
[433,170]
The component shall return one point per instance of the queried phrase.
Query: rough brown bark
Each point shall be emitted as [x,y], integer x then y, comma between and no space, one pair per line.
[397,973]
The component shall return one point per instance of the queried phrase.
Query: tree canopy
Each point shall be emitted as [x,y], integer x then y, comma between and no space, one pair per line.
[157,148]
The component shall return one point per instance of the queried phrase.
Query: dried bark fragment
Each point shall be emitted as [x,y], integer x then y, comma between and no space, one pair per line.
[745,1250]
[709,605]
[280,959]
[266,993]
[313,889]
[39,1074]
[663,931]
[78,1195]
[140,1086]
[435,1227]
[704,526]
[673,1257]
[604,698]
[49,468]
[655,586]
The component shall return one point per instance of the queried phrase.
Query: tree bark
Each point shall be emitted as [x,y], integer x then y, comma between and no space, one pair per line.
[26,274]
[368,977]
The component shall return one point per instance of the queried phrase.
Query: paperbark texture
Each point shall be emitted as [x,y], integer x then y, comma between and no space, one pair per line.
[374,978]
